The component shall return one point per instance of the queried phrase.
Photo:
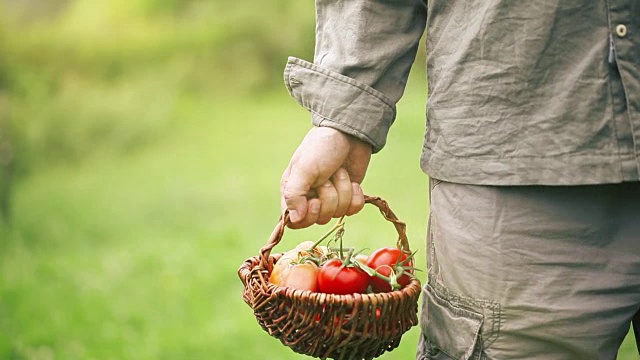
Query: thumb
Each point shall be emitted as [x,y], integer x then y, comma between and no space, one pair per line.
[295,187]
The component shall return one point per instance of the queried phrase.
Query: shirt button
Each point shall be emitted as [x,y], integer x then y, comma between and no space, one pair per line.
[621,30]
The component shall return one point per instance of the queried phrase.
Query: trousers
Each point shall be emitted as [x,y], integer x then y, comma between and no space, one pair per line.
[530,272]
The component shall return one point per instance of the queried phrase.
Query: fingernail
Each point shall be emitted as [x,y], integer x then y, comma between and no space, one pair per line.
[315,208]
[342,174]
[294,216]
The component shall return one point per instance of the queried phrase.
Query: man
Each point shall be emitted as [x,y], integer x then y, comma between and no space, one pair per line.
[532,147]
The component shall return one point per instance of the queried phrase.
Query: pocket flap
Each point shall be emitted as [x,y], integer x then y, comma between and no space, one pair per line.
[449,328]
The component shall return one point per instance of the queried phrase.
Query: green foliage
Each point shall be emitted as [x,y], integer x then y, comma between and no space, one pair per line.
[135,256]
[74,77]
[83,77]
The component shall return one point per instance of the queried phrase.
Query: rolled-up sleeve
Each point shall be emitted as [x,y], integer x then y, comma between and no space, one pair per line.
[364,51]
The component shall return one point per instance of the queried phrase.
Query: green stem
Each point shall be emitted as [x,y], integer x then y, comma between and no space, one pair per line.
[335,227]
[341,254]
[372,272]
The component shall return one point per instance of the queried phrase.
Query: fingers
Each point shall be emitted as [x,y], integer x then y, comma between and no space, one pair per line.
[344,190]
[294,191]
[335,198]
[357,199]
[311,215]
[328,196]
[317,183]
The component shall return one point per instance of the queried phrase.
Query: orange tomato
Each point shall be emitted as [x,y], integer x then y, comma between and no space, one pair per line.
[303,277]
[288,272]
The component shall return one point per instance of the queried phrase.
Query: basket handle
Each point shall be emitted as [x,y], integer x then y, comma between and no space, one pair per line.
[266,262]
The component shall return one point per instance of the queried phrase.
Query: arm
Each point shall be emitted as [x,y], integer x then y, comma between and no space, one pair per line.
[364,51]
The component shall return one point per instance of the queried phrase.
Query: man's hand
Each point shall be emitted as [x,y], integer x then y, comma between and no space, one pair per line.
[323,178]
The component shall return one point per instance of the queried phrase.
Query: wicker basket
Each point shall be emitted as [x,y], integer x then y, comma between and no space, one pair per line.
[358,326]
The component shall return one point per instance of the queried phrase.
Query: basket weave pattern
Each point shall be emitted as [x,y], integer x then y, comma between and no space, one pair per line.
[357,326]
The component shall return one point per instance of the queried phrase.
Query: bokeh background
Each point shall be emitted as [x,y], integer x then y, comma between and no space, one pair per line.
[141,147]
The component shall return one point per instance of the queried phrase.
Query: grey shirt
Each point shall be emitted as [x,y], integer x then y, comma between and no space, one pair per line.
[520,92]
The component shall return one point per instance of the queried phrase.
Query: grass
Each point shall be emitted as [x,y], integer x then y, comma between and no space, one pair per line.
[134,256]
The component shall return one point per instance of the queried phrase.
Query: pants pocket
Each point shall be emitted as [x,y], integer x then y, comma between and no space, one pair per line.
[448,331]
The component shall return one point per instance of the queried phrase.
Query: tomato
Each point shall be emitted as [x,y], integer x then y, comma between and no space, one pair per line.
[289,272]
[385,260]
[303,277]
[335,278]
[297,276]
[281,268]
[279,273]
[303,250]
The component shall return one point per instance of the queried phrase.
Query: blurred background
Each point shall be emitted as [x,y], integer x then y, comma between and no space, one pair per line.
[141,147]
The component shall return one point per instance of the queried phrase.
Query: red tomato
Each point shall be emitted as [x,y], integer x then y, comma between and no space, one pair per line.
[384,260]
[334,278]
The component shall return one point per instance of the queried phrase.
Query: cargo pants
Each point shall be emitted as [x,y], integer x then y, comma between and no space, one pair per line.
[530,272]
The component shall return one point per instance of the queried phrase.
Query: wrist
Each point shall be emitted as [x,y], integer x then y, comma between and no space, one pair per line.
[353,142]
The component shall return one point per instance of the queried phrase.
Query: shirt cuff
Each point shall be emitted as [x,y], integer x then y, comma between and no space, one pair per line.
[340,102]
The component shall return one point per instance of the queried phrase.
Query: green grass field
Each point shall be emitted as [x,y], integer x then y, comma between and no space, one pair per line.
[135,256]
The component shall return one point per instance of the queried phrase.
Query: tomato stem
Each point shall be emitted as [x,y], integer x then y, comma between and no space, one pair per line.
[392,280]
[339,235]
[335,227]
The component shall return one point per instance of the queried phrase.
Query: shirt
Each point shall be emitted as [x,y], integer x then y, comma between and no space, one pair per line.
[520,92]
